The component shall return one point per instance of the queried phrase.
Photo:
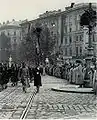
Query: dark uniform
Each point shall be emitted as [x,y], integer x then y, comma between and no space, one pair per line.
[37,78]
[24,75]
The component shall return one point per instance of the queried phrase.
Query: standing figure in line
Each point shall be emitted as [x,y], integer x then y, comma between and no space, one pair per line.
[37,78]
[95,80]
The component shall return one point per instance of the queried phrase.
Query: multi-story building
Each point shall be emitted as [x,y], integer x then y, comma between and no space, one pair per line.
[75,38]
[72,39]
[11,30]
[50,19]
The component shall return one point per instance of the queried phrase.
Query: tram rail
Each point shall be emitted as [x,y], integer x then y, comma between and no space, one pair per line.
[27,108]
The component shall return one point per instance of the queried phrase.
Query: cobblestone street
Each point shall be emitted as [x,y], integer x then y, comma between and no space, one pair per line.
[47,103]
[51,104]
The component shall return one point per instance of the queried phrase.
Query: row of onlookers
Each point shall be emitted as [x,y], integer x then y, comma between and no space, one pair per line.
[81,74]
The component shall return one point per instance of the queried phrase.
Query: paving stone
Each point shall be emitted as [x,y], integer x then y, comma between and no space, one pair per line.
[60,107]
[49,104]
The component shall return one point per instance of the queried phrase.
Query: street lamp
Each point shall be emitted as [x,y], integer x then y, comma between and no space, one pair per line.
[10,61]
[88,19]
[37,31]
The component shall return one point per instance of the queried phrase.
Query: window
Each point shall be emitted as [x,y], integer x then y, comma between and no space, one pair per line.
[65,40]
[70,29]
[70,40]
[3,33]
[15,33]
[80,37]
[52,32]
[70,52]
[66,51]
[14,40]
[65,29]
[93,38]
[8,34]
[70,19]
[76,38]
[76,51]
[80,50]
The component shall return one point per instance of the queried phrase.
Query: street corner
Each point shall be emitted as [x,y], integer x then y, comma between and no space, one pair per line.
[72,89]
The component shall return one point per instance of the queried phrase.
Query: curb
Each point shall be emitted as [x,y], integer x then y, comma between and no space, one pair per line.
[71,91]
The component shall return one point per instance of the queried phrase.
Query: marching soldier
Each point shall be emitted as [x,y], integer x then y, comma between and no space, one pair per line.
[24,75]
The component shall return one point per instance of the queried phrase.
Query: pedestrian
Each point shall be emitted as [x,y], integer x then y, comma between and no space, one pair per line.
[87,76]
[37,78]
[80,77]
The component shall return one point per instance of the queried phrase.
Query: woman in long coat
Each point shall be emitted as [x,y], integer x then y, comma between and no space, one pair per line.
[37,78]
[80,76]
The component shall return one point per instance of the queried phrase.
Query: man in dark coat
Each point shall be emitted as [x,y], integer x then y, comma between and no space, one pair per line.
[37,78]
[5,76]
[1,81]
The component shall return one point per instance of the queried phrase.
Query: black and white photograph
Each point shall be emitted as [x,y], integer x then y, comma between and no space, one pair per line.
[48,59]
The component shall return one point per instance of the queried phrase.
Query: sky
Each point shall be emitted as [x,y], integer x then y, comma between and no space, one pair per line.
[30,9]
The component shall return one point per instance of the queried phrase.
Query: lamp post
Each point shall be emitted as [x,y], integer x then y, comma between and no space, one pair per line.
[37,31]
[88,19]
[10,61]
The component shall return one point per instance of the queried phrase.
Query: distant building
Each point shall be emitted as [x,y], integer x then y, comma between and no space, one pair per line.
[12,30]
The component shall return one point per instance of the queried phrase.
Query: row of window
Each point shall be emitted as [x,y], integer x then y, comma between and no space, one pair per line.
[77,38]
[68,51]
[71,18]
[70,28]
[8,33]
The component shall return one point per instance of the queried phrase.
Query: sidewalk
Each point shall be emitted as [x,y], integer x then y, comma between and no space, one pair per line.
[72,89]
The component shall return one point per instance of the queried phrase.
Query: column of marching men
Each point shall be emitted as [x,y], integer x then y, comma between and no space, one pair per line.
[22,73]
[84,75]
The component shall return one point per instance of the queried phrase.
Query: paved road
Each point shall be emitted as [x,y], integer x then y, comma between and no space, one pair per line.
[51,104]
[47,103]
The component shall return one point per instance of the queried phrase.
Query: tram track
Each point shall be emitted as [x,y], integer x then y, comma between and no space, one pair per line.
[12,91]
[28,106]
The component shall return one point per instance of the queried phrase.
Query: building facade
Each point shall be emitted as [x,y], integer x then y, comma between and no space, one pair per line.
[12,31]
[71,38]
[75,37]
[50,19]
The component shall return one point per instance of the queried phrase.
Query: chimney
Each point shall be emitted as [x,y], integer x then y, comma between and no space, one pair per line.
[13,20]
[7,21]
[3,23]
[59,10]
[46,11]
[72,4]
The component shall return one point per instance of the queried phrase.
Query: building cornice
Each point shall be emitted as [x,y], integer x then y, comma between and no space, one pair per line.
[76,7]
[82,6]
[9,27]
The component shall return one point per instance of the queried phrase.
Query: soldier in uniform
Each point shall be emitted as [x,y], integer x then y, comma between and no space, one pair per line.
[24,75]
